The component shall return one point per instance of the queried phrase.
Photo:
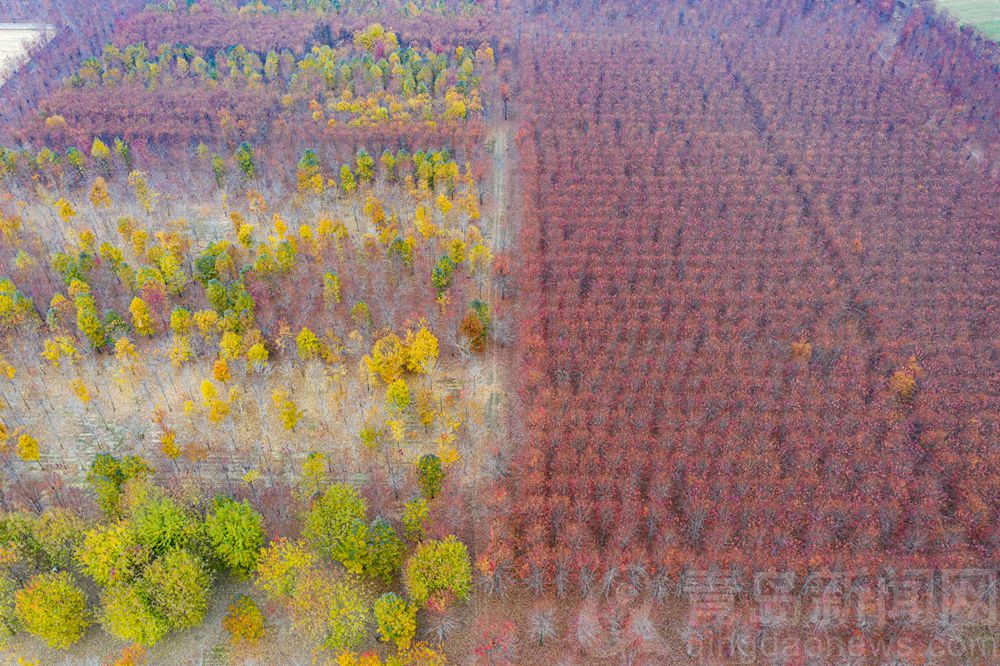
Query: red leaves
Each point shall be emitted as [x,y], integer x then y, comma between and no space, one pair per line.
[690,215]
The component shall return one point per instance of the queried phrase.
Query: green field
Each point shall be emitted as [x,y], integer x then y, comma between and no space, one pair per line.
[983,14]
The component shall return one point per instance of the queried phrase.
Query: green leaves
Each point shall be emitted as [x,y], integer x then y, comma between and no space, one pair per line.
[161,526]
[236,533]
[177,587]
[245,159]
[438,568]
[127,614]
[52,608]
[108,476]
[330,524]
[443,274]
[430,475]
[396,619]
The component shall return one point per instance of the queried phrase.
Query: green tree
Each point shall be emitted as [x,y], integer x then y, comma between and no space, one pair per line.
[178,585]
[365,166]
[75,159]
[396,620]
[236,533]
[338,610]
[245,159]
[347,181]
[53,608]
[110,553]
[8,613]
[160,525]
[415,514]
[430,475]
[126,614]
[443,274]
[331,520]
[436,567]
[385,551]
[351,548]
[58,532]
[397,396]
[219,170]
[281,566]
[124,152]
[107,476]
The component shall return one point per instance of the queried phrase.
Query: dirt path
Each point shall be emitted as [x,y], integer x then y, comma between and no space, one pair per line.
[502,233]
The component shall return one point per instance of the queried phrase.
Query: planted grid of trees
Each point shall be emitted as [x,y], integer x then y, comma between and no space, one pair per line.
[761,260]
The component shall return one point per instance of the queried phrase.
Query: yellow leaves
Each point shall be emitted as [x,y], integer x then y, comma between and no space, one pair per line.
[87,240]
[168,445]
[6,368]
[181,321]
[10,226]
[455,106]
[173,273]
[207,322]
[397,396]
[65,210]
[375,211]
[27,448]
[313,473]
[426,407]
[125,351]
[480,258]
[56,350]
[444,204]
[142,319]
[76,288]
[422,221]
[388,358]
[446,450]
[484,55]
[99,195]
[307,344]
[230,346]
[280,226]
[396,429]
[139,240]
[375,34]
[331,289]
[208,392]
[181,351]
[144,194]
[327,228]
[421,350]
[80,390]
[245,235]
[55,122]
[287,410]
[218,411]
[457,251]
[257,357]
[251,476]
